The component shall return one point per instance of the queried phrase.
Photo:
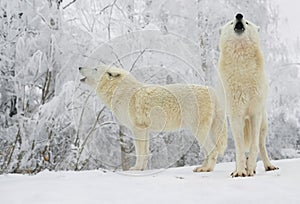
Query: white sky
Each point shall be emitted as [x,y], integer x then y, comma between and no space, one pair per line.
[289,15]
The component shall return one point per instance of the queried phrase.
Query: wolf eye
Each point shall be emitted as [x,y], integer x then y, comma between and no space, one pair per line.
[247,23]
[231,23]
[96,69]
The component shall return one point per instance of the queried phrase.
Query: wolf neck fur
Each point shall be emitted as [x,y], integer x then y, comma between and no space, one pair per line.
[124,86]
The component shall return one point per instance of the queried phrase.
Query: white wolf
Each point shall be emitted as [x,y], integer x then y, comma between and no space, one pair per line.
[143,108]
[241,67]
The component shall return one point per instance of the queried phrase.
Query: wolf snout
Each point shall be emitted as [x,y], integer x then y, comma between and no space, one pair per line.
[239,26]
[84,78]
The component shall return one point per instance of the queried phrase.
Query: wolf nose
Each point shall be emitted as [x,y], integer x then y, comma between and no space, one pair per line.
[239,16]
[80,68]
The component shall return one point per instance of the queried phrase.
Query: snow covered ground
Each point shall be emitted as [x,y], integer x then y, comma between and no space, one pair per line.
[176,185]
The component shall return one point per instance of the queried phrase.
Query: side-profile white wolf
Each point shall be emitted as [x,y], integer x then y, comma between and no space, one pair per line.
[144,108]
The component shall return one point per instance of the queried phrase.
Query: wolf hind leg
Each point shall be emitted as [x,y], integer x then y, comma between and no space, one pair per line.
[141,149]
[262,145]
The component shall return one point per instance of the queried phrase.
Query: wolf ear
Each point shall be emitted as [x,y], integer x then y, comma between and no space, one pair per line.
[112,75]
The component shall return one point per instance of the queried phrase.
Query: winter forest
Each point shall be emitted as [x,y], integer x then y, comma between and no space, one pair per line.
[49,120]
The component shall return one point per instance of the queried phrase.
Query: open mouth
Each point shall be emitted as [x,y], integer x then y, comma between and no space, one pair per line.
[83,79]
[239,27]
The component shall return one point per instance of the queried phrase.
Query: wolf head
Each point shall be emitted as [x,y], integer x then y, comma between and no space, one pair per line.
[239,30]
[114,86]
[92,76]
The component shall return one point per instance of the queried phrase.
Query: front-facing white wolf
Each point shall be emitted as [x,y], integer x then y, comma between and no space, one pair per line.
[241,67]
[144,108]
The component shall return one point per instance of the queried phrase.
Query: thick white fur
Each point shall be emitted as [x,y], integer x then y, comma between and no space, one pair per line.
[241,67]
[144,108]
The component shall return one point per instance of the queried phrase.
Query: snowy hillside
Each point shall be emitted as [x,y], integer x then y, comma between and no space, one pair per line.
[177,185]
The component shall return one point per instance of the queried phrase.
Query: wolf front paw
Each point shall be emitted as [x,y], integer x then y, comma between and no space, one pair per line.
[251,166]
[136,168]
[202,169]
[242,173]
[251,172]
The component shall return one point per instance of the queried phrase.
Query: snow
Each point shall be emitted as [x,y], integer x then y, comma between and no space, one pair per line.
[175,185]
